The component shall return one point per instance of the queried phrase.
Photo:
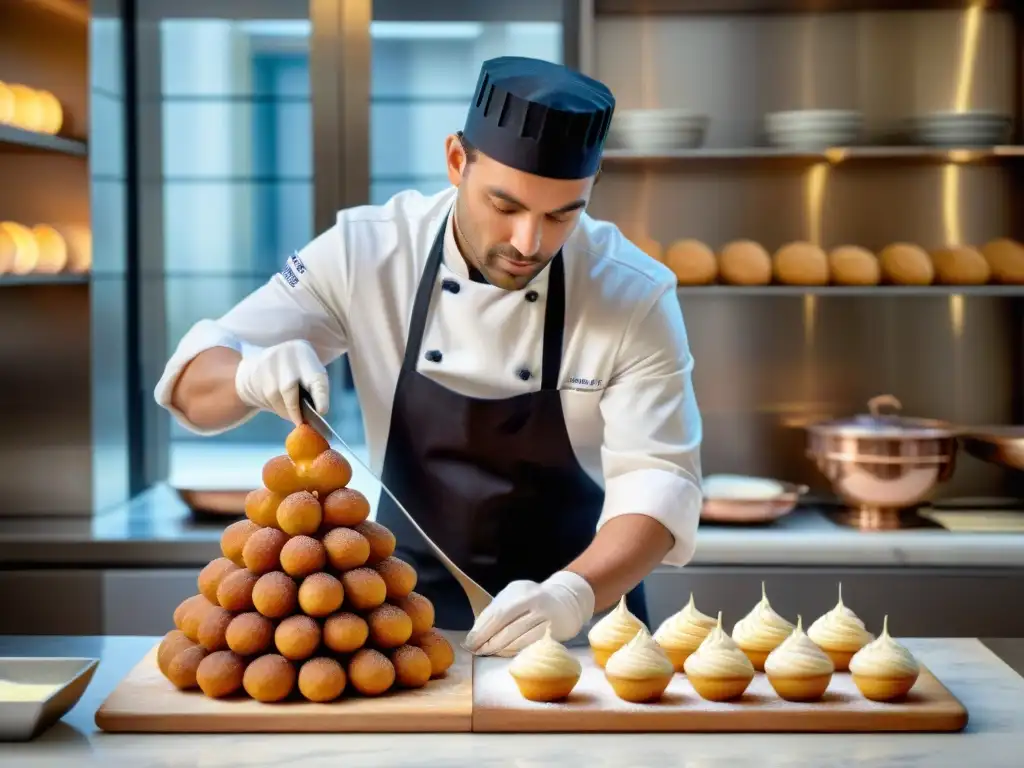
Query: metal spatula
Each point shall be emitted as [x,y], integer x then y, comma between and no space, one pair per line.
[478,596]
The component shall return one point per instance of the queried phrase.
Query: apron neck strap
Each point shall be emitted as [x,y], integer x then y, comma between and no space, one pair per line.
[554,312]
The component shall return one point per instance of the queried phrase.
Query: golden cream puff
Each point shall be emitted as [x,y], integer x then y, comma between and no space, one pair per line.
[840,634]
[883,669]
[761,631]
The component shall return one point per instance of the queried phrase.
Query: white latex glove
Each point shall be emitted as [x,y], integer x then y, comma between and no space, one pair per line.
[270,379]
[518,614]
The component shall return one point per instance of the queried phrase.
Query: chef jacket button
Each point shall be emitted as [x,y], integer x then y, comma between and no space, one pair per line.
[450,285]
[524,374]
[434,356]
[532,296]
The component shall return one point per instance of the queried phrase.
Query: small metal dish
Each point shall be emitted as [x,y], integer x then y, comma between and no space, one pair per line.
[224,503]
[25,720]
[723,509]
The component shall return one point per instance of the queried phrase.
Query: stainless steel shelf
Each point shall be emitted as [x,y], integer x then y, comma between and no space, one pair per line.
[17,139]
[834,155]
[879,291]
[11,280]
[644,7]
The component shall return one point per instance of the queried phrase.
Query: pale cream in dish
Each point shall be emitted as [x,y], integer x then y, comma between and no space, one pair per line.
[12,691]
[613,631]
[840,633]
[719,670]
[640,670]
[761,631]
[683,632]
[798,669]
[884,669]
[545,670]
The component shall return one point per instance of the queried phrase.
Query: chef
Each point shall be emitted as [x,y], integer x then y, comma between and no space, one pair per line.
[522,369]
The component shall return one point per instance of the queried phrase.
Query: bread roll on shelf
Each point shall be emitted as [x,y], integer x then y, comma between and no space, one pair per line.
[78,242]
[745,262]
[800,263]
[693,262]
[1005,259]
[960,265]
[30,109]
[906,264]
[853,265]
[52,113]
[26,250]
[53,251]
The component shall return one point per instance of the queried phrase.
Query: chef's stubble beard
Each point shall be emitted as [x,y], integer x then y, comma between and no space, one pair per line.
[489,265]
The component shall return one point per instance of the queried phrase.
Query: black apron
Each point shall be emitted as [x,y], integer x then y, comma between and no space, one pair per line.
[494,483]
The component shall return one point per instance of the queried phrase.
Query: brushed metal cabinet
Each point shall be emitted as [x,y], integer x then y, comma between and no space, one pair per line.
[52,602]
[142,602]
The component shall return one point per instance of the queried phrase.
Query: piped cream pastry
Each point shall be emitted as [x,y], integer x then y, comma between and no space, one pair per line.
[613,631]
[761,631]
[683,632]
[545,670]
[840,633]
[798,669]
[719,670]
[639,671]
[884,669]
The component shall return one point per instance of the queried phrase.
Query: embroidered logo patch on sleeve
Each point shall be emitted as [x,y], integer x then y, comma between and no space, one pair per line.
[293,270]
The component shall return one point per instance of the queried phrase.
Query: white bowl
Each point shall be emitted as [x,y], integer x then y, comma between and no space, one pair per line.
[657,130]
[813,128]
[652,117]
[67,677]
[962,128]
[805,118]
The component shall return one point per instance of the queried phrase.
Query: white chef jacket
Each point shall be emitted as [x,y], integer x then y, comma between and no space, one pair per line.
[625,381]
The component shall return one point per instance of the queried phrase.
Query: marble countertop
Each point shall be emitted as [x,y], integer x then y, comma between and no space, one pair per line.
[992,692]
[156,529]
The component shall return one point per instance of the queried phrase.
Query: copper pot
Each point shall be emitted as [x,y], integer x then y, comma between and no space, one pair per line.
[882,464]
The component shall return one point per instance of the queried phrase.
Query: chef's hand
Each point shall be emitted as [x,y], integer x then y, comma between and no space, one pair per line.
[269,379]
[518,614]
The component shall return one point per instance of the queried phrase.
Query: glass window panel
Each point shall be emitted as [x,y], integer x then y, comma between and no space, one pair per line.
[106,135]
[408,138]
[212,57]
[234,226]
[108,207]
[216,139]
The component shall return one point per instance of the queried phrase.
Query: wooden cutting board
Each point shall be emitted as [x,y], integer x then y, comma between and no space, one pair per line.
[145,702]
[593,706]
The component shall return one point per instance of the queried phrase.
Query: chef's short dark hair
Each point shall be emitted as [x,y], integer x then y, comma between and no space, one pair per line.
[467,148]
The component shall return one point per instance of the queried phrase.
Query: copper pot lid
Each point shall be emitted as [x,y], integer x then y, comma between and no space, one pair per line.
[877,423]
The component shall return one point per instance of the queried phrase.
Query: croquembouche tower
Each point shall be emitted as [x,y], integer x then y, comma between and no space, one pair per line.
[308,599]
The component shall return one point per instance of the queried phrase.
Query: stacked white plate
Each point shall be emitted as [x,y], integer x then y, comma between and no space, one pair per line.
[813,128]
[658,130]
[961,129]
